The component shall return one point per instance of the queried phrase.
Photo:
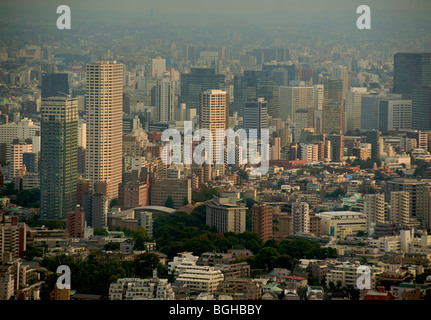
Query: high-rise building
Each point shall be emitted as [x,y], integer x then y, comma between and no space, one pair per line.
[411,69]
[395,115]
[254,84]
[15,153]
[164,98]
[179,190]
[300,217]
[30,161]
[353,108]
[261,221]
[333,89]
[13,236]
[304,119]
[59,152]
[370,107]
[418,201]
[226,215]
[213,116]
[341,72]
[293,98]
[373,137]
[374,209]
[400,207]
[158,67]
[336,145]
[96,207]
[55,85]
[22,130]
[421,108]
[255,115]
[76,223]
[104,124]
[196,82]
[333,117]
[133,194]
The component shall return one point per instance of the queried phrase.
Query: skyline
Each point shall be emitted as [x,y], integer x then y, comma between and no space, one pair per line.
[215,150]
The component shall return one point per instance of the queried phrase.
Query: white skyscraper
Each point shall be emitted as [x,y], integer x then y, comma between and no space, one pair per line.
[158,67]
[293,98]
[341,72]
[353,108]
[104,124]
[164,99]
[214,115]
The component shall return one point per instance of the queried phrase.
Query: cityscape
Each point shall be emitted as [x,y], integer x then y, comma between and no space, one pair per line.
[233,152]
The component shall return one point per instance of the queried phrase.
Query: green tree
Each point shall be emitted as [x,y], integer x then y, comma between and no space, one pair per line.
[169,202]
[111,246]
[100,232]
[139,238]
[185,201]
[145,264]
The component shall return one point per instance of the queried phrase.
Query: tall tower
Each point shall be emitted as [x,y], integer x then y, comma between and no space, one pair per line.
[255,115]
[333,117]
[104,124]
[59,157]
[411,69]
[300,217]
[214,115]
[164,98]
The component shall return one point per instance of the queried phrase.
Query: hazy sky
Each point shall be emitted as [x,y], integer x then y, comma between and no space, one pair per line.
[225,11]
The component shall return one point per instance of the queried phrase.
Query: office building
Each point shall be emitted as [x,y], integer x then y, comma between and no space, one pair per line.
[196,82]
[342,223]
[55,85]
[59,152]
[104,124]
[21,130]
[370,107]
[421,108]
[353,108]
[336,146]
[158,67]
[341,73]
[333,117]
[254,84]
[333,89]
[226,215]
[293,98]
[304,119]
[180,190]
[96,206]
[255,115]
[411,69]
[395,115]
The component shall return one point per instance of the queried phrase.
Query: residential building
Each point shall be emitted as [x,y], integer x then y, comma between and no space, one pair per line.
[59,157]
[104,109]
[226,215]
